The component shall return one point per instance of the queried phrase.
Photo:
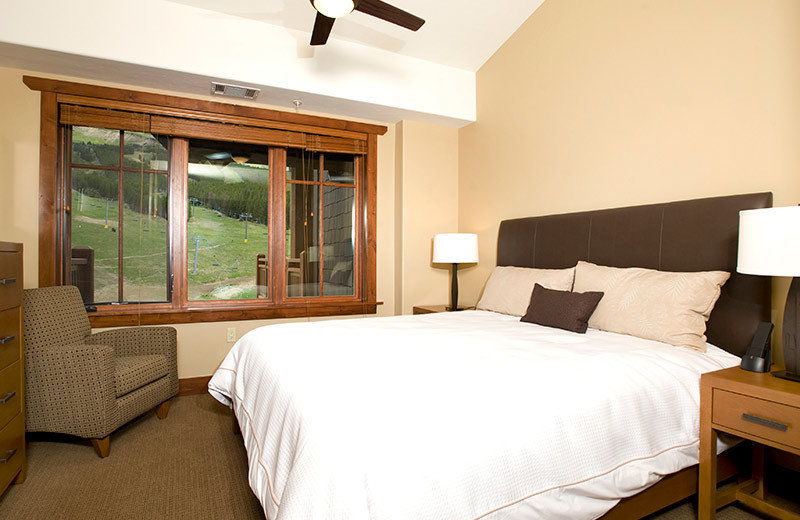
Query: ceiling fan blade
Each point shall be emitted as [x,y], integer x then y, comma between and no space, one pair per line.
[390,13]
[322,28]
[216,156]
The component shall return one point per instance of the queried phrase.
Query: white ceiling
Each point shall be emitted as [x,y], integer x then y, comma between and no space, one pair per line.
[457,33]
[369,69]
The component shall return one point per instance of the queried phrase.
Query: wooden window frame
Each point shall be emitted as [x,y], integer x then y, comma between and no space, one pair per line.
[198,118]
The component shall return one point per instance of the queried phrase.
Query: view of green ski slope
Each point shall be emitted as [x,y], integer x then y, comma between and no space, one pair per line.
[225,267]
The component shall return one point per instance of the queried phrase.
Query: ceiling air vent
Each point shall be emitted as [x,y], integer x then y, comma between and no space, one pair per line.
[223,89]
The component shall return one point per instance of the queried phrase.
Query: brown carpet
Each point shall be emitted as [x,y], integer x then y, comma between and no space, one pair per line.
[190,466]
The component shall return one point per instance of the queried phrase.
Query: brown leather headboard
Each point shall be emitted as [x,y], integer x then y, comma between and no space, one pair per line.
[692,235]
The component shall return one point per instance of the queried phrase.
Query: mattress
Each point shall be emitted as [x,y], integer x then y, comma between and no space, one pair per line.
[461,415]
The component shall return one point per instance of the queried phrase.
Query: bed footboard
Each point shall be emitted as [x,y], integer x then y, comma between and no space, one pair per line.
[676,487]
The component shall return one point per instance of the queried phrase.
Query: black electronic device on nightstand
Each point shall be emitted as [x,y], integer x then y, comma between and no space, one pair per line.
[758,357]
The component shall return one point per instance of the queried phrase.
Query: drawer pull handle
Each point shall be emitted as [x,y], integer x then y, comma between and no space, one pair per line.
[7,397]
[9,454]
[7,339]
[6,281]
[765,422]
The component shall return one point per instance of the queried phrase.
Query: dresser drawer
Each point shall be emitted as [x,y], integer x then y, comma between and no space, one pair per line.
[9,336]
[12,450]
[10,279]
[768,420]
[9,393]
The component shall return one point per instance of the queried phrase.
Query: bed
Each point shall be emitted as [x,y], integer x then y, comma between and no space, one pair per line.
[477,415]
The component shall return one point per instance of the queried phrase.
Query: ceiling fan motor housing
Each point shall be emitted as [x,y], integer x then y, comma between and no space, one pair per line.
[334,8]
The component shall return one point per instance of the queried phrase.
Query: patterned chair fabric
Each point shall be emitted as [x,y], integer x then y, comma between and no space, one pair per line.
[86,384]
[133,372]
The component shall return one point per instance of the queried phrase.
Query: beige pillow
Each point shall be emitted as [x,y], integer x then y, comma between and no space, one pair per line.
[509,289]
[659,305]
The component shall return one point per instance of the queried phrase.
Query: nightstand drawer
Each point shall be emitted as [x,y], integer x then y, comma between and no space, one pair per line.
[768,420]
[10,388]
[10,279]
[9,336]
[12,450]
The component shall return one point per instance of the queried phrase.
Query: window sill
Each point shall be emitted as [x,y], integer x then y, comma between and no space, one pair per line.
[135,315]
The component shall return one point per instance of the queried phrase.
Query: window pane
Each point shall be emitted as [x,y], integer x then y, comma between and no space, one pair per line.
[145,262]
[228,190]
[145,152]
[302,240]
[339,167]
[98,146]
[301,165]
[95,241]
[339,239]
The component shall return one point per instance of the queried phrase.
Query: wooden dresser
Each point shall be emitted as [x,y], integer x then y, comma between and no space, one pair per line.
[12,368]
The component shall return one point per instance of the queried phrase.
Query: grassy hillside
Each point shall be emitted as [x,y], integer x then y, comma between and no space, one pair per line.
[226,264]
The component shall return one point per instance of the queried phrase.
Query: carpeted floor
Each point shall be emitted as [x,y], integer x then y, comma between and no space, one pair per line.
[190,466]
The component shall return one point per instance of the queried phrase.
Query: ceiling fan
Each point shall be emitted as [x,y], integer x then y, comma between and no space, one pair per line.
[329,10]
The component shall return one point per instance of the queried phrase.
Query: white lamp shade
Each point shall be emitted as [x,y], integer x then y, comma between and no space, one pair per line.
[334,8]
[769,241]
[455,248]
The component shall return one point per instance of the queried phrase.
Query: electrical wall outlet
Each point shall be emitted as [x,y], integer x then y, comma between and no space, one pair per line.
[231,334]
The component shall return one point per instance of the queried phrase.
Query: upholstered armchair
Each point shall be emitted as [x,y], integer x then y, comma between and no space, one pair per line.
[86,384]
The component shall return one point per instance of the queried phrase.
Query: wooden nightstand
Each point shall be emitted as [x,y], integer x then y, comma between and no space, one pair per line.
[754,406]
[429,309]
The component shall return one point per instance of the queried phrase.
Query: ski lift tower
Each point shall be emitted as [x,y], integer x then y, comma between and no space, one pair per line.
[246,217]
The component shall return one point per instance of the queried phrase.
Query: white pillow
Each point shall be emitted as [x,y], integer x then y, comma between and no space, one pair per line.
[509,289]
[663,306]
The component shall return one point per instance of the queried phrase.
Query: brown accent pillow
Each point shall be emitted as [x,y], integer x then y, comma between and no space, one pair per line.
[561,309]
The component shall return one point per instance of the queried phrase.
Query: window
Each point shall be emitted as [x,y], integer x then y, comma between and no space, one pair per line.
[320,224]
[166,210]
[117,227]
[227,229]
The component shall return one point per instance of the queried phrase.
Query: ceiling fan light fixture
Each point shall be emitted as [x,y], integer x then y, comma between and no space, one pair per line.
[240,159]
[334,8]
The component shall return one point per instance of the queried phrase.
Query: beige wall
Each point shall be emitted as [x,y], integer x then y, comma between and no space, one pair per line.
[588,105]
[201,347]
[602,104]
[19,169]
[426,203]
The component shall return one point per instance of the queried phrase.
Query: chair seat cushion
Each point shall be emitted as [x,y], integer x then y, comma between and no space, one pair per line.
[134,372]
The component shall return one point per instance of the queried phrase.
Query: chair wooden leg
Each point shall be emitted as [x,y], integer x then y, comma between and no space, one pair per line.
[162,410]
[102,446]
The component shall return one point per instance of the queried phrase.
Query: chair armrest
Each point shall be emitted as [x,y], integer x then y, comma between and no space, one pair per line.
[70,389]
[138,341]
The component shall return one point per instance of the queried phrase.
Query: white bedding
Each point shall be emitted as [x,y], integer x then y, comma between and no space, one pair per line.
[458,416]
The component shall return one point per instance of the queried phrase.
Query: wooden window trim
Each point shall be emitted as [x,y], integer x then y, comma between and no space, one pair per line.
[109,97]
[332,135]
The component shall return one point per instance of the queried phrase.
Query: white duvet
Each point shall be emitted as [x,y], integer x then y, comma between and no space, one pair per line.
[458,416]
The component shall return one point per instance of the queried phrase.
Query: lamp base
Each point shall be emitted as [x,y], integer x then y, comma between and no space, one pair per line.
[450,309]
[791,323]
[785,374]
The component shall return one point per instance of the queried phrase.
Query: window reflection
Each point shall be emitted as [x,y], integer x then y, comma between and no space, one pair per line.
[228,207]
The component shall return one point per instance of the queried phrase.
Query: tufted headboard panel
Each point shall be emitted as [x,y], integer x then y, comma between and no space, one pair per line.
[691,235]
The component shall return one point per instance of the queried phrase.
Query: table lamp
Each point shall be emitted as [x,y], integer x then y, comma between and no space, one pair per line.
[455,248]
[769,244]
